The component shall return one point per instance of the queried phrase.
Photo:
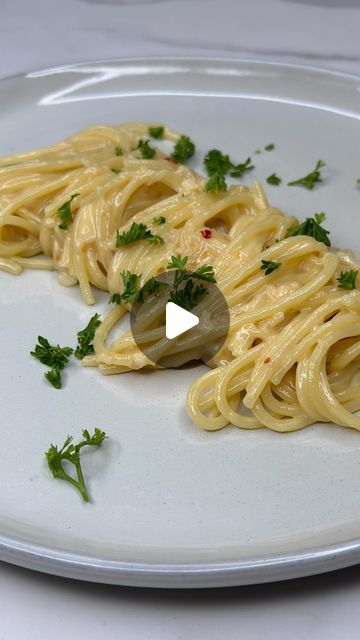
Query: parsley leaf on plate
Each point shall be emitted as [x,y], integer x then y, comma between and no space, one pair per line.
[273,179]
[310,179]
[55,357]
[71,453]
[217,163]
[183,150]
[241,168]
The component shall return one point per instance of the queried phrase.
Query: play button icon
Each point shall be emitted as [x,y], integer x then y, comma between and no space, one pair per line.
[178,320]
[179,317]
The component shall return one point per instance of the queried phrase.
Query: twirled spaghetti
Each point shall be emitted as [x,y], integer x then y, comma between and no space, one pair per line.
[292,354]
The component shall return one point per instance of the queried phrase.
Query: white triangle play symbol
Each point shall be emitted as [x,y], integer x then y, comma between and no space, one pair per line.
[178,320]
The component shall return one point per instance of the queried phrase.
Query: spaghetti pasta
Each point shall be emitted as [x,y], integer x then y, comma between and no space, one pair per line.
[292,352]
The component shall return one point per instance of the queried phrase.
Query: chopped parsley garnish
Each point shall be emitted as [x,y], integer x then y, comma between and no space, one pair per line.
[273,179]
[156,132]
[216,184]
[242,167]
[217,163]
[188,297]
[177,262]
[138,231]
[347,279]
[131,294]
[71,453]
[65,212]
[54,357]
[159,220]
[312,227]
[183,150]
[130,281]
[54,377]
[152,286]
[118,151]
[115,298]
[146,151]
[269,266]
[257,151]
[358,181]
[116,171]
[311,179]
[269,147]
[206,272]
[86,337]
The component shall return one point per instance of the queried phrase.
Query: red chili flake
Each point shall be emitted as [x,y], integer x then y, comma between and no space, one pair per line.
[267,360]
[170,159]
[206,233]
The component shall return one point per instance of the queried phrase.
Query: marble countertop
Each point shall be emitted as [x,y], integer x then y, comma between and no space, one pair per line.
[41,33]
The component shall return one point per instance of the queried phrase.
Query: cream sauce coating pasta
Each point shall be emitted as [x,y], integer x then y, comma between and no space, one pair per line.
[292,354]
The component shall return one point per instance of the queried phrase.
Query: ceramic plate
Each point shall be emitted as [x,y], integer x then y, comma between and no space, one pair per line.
[172,505]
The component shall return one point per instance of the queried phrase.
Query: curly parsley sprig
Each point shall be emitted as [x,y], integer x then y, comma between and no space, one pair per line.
[71,453]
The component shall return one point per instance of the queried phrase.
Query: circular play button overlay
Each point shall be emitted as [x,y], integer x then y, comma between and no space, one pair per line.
[180,316]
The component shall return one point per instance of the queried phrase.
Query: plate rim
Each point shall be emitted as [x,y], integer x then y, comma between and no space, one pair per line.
[252,570]
[191,59]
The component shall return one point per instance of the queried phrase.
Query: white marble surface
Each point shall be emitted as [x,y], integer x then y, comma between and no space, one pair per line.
[42,33]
